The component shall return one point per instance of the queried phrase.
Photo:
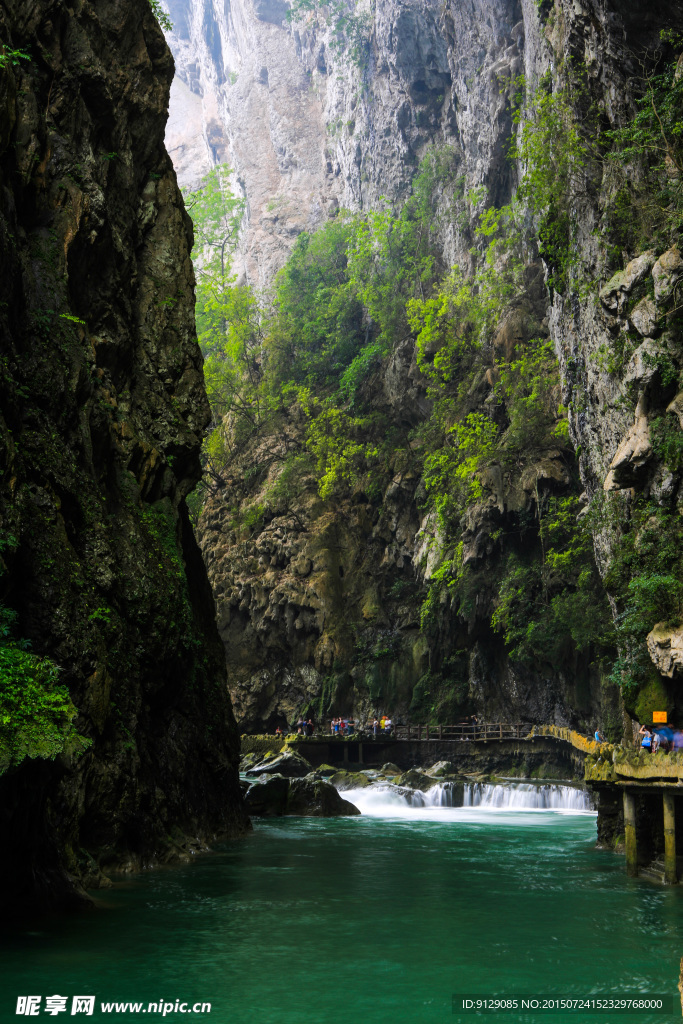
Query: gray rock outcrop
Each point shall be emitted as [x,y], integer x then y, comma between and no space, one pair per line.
[311,122]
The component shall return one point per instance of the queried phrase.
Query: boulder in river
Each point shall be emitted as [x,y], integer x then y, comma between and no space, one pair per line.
[390,769]
[289,764]
[441,769]
[343,780]
[248,761]
[415,779]
[268,796]
[317,799]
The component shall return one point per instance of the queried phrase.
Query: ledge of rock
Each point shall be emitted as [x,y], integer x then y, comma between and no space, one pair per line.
[665,647]
[615,293]
[666,273]
[644,317]
[634,452]
[642,365]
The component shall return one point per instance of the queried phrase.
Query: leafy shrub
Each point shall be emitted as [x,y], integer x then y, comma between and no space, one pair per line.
[36,712]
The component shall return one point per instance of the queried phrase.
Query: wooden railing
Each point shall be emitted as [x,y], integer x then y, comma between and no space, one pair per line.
[482,731]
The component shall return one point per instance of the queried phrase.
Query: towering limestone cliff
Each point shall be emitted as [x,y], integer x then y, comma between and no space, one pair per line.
[314,114]
[363,598]
[118,745]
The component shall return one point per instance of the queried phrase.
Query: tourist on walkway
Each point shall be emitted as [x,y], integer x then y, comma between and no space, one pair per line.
[646,741]
[375,727]
[666,737]
[599,738]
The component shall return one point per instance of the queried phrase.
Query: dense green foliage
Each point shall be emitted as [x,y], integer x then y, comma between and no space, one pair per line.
[35,710]
[554,147]
[645,577]
[339,307]
[645,160]
[293,384]
[554,604]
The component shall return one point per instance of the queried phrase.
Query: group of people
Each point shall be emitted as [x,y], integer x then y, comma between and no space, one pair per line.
[304,727]
[660,737]
[383,724]
[342,726]
[349,726]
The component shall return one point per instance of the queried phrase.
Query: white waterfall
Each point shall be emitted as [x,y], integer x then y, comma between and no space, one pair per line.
[548,796]
[383,799]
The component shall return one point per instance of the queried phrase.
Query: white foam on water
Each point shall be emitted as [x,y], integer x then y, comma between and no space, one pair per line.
[449,801]
[547,796]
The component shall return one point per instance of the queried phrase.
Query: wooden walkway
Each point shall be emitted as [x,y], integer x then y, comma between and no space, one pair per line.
[478,733]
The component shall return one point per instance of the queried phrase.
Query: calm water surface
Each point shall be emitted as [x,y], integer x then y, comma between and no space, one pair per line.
[365,919]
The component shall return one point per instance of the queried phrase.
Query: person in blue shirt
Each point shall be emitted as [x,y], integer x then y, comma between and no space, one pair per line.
[646,741]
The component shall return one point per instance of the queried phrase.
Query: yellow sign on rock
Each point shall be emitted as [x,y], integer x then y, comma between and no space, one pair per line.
[659,716]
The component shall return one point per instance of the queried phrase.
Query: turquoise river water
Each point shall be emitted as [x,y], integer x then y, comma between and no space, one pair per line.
[365,920]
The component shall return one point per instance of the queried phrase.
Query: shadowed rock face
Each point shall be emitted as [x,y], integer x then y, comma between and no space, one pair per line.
[102,412]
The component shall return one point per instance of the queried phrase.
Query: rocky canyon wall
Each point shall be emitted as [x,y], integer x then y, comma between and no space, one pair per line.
[309,126]
[314,117]
[102,413]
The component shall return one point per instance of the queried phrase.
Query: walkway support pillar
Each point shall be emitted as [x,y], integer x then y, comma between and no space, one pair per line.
[670,873]
[630,834]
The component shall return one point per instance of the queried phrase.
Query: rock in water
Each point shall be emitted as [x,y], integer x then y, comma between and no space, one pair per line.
[415,779]
[441,769]
[317,799]
[268,796]
[289,764]
[349,780]
[248,761]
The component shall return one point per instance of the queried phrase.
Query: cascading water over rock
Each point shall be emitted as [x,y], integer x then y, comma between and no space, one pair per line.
[527,796]
[386,799]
